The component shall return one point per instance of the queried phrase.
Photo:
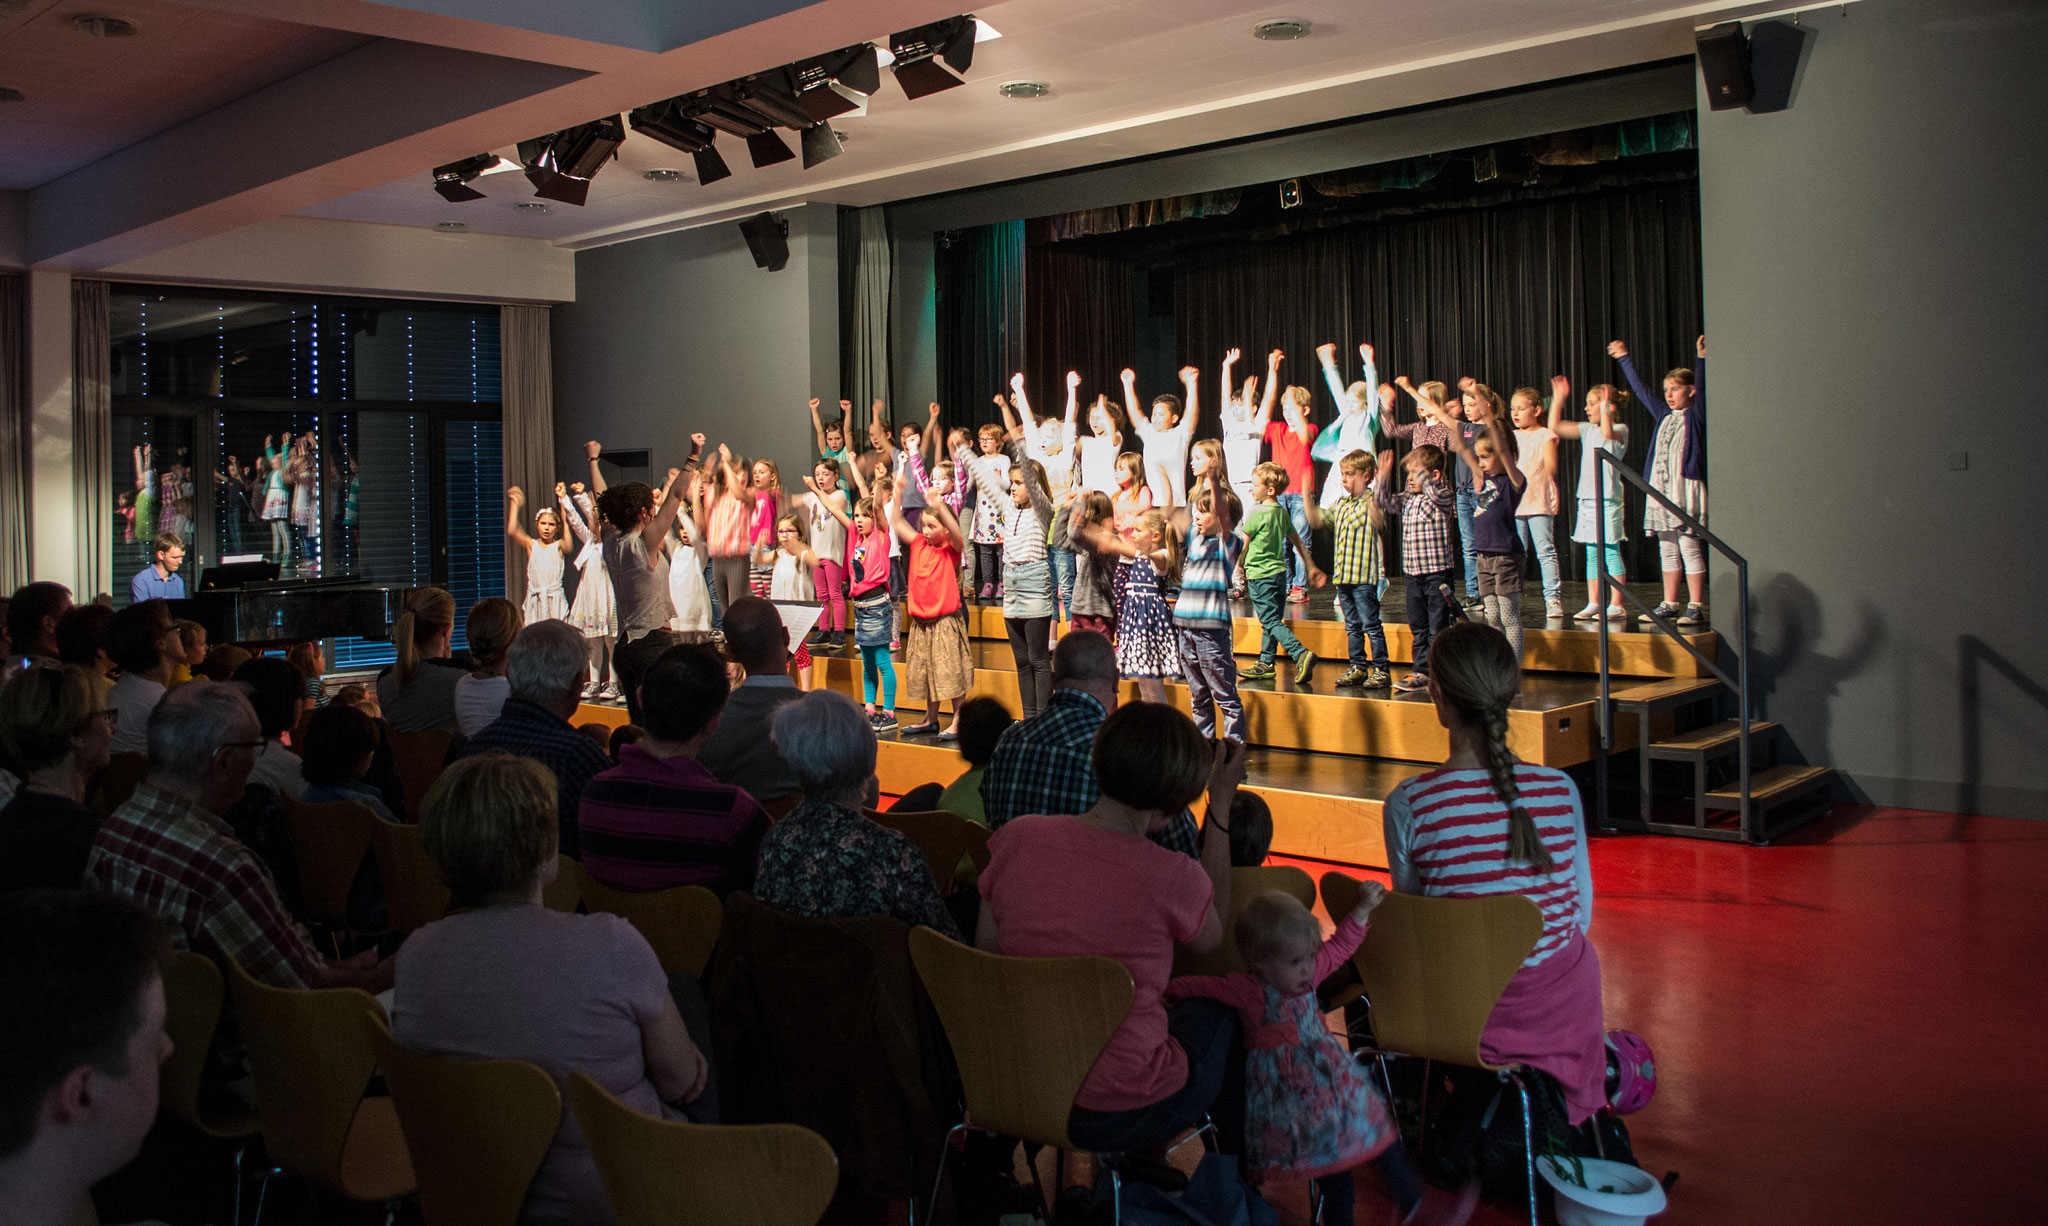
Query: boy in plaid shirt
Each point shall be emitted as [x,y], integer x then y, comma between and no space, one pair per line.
[1360,573]
[1426,505]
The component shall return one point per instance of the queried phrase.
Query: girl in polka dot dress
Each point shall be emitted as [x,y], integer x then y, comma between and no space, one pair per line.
[1146,649]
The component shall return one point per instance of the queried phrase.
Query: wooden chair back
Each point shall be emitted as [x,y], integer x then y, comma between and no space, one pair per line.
[1245,885]
[419,757]
[1433,968]
[664,1173]
[681,923]
[1024,1031]
[328,841]
[477,1130]
[114,783]
[311,1059]
[193,998]
[943,836]
[413,893]
[565,892]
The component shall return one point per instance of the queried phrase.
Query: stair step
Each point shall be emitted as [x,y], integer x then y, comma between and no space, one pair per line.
[1772,785]
[1657,695]
[1710,741]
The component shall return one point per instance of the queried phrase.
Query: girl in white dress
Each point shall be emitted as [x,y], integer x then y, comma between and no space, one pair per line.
[546,554]
[1599,490]
[1244,427]
[687,590]
[593,611]
[794,562]
[277,503]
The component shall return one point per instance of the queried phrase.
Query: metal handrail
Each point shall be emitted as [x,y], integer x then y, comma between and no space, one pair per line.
[1739,683]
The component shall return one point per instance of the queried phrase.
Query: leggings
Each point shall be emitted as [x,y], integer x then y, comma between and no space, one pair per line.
[988,563]
[1615,567]
[729,579]
[874,660]
[831,580]
[1031,648]
[1505,612]
[603,671]
[1672,546]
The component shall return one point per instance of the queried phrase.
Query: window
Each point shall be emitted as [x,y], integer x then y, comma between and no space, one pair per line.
[338,437]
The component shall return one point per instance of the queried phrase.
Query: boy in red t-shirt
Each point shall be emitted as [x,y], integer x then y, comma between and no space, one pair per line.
[936,659]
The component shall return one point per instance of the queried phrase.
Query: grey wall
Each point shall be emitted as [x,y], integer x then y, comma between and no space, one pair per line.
[1875,262]
[681,333]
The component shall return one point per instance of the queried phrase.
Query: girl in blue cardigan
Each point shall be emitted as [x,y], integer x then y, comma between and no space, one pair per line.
[1677,469]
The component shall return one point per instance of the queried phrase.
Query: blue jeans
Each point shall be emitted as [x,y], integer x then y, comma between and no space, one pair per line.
[1468,506]
[1427,613]
[1209,665]
[1539,536]
[717,610]
[1269,603]
[1297,510]
[1359,605]
[1063,581]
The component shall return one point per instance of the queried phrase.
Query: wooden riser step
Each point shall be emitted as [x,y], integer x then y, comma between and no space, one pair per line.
[1773,786]
[1713,741]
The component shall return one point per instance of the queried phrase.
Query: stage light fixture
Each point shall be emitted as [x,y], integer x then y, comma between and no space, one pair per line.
[710,166]
[716,108]
[839,84]
[933,57]
[664,122]
[772,96]
[821,144]
[452,181]
[560,165]
[767,147]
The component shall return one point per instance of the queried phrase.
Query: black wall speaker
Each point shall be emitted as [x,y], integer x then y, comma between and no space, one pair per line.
[767,240]
[1724,65]
[1774,48]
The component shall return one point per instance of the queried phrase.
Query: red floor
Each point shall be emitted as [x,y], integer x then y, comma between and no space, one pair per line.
[1845,1023]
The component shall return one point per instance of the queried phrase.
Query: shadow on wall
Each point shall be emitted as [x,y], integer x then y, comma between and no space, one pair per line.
[1791,681]
[1975,657]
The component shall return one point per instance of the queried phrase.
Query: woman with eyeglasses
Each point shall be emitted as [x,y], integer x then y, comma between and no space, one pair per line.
[55,731]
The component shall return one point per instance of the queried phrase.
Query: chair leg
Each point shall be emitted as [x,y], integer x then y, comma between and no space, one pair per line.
[263,1191]
[945,1150]
[235,1201]
[1207,1129]
[1528,1145]
[1116,1197]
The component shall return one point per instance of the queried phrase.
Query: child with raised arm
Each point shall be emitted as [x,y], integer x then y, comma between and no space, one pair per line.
[594,611]
[1092,599]
[1050,441]
[1269,533]
[687,590]
[1027,568]
[937,663]
[1676,468]
[828,545]
[833,443]
[883,490]
[1536,517]
[1166,433]
[765,488]
[1292,440]
[1497,486]
[1357,427]
[1147,651]
[1426,505]
[1599,489]
[1096,449]
[725,506]
[987,536]
[1202,617]
[1244,427]
[908,461]
[1360,572]
[1443,416]
[545,556]
[868,576]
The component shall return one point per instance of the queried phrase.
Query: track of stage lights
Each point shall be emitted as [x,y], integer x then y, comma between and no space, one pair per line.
[803,97]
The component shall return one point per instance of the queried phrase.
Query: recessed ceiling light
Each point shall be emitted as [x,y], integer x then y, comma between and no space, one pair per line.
[662,175]
[1285,30]
[531,206]
[101,26]
[452,227]
[9,94]
[1023,89]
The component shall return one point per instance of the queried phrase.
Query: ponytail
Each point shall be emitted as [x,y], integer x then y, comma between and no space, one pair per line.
[429,612]
[1477,674]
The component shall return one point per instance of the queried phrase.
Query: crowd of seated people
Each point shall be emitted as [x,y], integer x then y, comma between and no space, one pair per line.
[1094,851]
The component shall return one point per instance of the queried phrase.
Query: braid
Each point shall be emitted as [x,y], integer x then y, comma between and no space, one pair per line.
[1523,843]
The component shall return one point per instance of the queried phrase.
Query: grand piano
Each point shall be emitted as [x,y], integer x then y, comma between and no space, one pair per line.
[278,613]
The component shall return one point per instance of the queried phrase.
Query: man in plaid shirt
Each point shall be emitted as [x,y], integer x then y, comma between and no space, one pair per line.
[1043,764]
[1426,506]
[168,849]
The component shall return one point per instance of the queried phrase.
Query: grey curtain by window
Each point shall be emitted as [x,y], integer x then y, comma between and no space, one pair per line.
[14,435]
[526,362]
[867,327]
[92,441]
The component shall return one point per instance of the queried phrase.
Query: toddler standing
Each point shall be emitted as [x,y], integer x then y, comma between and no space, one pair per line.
[1426,504]
[1146,649]
[1269,533]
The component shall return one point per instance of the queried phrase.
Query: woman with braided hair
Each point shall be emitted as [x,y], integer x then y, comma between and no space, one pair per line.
[1487,823]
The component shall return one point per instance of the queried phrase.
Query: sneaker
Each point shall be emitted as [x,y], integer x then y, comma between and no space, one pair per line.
[1304,669]
[882,721]
[1694,615]
[1554,610]
[1237,593]
[590,691]
[611,693]
[1297,592]
[1255,672]
[987,590]
[895,647]
[1615,613]
[1591,613]
[999,591]
[1378,678]
[1352,676]
[1411,683]
[1473,605]
[1665,609]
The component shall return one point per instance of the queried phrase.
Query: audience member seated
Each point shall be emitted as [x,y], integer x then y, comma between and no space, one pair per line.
[417,692]
[82,1006]
[658,818]
[82,641]
[32,615]
[1094,884]
[503,977]
[600,734]
[826,859]
[190,653]
[340,743]
[481,693]
[222,661]
[145,646]
[622,736]
[1041,765]
[278,693]
[982,723]
[548,667]
[55,731]
[741,752]
[1486,823]
[1251,830]
[168,848]
[311,662]
[356,694]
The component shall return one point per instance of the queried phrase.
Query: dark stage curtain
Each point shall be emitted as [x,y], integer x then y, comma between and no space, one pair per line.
[1078,304]
[980,274]
[1510,295]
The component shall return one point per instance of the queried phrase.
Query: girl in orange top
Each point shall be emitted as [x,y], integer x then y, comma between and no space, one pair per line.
[936,659]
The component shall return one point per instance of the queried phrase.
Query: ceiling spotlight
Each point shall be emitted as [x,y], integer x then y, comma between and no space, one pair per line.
[664,122]
[662,174]
[767,148]
[772,95]
[10,94]
[1023,89]
[839,84]
[98,25]
[451,227]
[717,107]
[452,181]
[560,164]
[821,144]
[1285,30]
[933,57]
